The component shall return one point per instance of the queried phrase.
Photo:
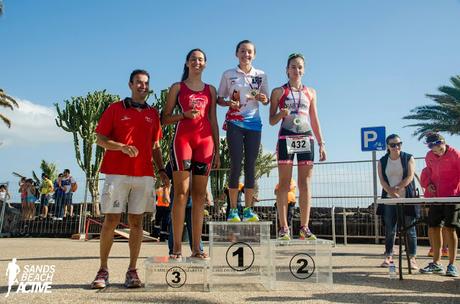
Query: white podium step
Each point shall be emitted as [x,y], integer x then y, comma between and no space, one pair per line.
[185,274]
[299,263]
[240,256]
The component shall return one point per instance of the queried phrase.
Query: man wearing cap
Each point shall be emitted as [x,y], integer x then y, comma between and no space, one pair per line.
[443,163]
[130,132]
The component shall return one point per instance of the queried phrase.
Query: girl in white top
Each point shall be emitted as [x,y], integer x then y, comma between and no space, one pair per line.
[242,89]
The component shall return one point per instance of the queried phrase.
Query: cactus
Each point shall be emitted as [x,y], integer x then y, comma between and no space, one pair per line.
[80,116]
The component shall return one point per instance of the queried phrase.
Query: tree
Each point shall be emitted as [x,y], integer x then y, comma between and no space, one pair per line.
[48,168]
[80,116]
[1,7]
[168,131]
[7,102]
[443,116]
[265,163]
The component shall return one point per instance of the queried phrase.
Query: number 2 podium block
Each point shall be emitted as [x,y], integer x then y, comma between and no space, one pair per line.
[186,274]
[240,256]
[299,263]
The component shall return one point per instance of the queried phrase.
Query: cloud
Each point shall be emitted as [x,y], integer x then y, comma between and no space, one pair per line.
[31,125]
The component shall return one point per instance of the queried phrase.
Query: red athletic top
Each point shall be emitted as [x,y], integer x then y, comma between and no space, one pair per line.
[201,101]
[127,125]
[445,172]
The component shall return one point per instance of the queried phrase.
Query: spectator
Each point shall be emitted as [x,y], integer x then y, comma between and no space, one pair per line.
[31,198]
[443,162]
[425,182]
[45,189]
[396,173]
[291,201]
[59,196]
[23,191]
[4,195]
[162,215]
[70,185]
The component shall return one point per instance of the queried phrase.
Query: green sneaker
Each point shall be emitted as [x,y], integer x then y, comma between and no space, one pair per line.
[283,234]
[433,268]
[233,216]
[306,234]
[249,215]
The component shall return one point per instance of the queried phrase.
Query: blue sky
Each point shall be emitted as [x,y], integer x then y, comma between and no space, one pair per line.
[370,61]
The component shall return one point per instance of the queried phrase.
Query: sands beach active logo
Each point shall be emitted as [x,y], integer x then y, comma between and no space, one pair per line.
[32,279]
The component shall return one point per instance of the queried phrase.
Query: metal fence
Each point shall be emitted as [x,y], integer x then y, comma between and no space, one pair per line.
[343,206]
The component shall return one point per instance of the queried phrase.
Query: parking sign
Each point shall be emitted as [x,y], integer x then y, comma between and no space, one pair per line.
[373,139]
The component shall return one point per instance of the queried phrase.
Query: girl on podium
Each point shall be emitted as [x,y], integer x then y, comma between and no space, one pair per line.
[195,147]
[294,104]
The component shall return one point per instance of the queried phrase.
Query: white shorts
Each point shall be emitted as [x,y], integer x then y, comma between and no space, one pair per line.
[137,192]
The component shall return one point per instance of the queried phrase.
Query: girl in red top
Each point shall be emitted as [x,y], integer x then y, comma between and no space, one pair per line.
[195,145]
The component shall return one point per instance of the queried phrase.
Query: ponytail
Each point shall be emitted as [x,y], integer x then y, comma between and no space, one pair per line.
[185,72]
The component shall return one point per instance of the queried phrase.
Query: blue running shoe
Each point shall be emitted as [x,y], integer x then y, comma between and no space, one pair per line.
[451,271]
[249,215]
[233,216]
[433,268]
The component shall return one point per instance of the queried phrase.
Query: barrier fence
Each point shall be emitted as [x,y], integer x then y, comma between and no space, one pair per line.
[343,206]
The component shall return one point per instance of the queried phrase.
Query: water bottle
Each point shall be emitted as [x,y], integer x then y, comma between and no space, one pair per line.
[392,271]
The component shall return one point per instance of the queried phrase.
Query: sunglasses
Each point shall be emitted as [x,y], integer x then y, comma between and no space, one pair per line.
[394,145]
[435,143]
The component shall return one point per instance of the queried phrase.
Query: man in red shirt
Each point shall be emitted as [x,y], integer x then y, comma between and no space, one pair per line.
[443,163]
[130,132]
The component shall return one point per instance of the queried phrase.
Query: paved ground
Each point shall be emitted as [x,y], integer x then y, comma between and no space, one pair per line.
[357,279]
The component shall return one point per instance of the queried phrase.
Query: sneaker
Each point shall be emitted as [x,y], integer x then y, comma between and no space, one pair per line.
[386,263]
[283,234]
[132,279]
[249,215]
[451,271]
[433,268]
[306,234]
[445,252]
[430,253]
[233,216]
[101,280]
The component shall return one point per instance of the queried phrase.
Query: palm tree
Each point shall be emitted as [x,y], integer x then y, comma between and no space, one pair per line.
[1,7]
[7,102]
[443,116]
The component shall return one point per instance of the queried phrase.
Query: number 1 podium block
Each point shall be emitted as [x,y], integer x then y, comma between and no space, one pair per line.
[186,274]
[240,256]
[299,263]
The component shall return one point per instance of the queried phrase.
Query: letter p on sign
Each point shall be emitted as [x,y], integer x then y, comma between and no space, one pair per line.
[373,139]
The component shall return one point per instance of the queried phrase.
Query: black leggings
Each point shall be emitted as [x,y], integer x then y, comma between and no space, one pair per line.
[237,138]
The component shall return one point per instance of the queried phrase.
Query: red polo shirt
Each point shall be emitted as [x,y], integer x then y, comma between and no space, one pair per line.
[445,172]
[127,125]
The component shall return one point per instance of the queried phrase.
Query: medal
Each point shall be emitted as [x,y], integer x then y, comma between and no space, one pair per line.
[254,92]
[297,121]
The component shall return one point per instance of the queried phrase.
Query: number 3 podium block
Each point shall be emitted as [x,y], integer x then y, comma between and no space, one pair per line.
[299,263]
[240,256]
[185,274]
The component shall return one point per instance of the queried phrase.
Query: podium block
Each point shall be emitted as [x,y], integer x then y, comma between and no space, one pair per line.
[240,256]
[186,274]
[299,263]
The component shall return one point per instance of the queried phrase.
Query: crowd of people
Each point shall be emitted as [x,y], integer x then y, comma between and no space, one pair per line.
[128,130]
[43,193]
